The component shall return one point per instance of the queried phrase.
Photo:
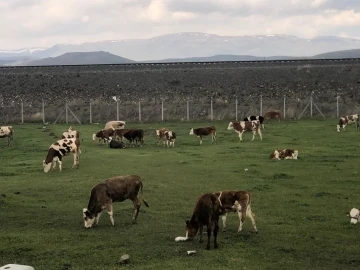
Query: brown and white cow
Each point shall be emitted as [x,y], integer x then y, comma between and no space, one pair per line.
[115,124]
[160,133]
[272,115]
[60,149]
[7,132]
[354,215]
[70,134]
[205,131]
[104,135]
[254,118]
[170,137]
[284,154]
[347,120]
[206,213]
[240,202]
[115,189]
[243,126]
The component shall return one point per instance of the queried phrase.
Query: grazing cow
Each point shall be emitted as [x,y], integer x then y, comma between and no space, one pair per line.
[354,215]
[347,120]
[170,138]
[284,154]
[134,136]
[272,115]
[116,144]
[160,133]
[243,126]
[115,189]
[7,132]
[115,125]
[206,213]
[254,118]
[240,202]
[70,134]
[200,132]
[104,135]
[58,150]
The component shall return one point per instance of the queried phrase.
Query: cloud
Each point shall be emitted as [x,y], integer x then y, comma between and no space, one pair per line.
[33,23]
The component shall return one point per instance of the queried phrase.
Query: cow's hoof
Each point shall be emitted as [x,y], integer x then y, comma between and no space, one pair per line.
[208,247]
[223,230]
[216,246]
[256,232]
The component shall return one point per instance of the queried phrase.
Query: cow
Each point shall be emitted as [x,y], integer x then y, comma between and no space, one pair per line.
[134,136]
[116,144]
[354,215]
[243,126]
[206,213]
[160,133]
[70,134]
[59,149]
[272,115]
[115,189]
[170,137]
[240,202]
[104,135]
[254,118]
[284,154]
[115,125]
[347,120]
[200,132]
[7,132]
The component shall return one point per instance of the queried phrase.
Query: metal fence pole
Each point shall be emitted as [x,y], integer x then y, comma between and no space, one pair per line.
[66,113]
[261,105]
[43,111]
[139,111]
[284,106]
[117,110]
[337,105]
[162,109]
[311,106]
[236,109]
[211,110]
[90,112]
[22,112]
[187,111]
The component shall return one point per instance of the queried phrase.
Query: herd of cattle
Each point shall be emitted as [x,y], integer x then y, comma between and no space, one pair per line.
[209,207]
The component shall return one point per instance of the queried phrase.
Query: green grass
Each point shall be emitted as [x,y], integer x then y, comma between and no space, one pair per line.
[300,205]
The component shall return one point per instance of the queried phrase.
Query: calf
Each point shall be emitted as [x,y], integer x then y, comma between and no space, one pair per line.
[206,213]
[134,136]
[58,150]
[115,125]
[243,126]
[284,154]
[354,215]
[7,132]
[70,134]
[347,120]
[160,133]
[115,189]
[272,115]
[170,138]
[116,144]
[239,201]
[254,118]
[200,132]
[104,135]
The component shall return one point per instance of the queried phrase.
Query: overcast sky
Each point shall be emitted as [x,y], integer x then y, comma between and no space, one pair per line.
[43,23]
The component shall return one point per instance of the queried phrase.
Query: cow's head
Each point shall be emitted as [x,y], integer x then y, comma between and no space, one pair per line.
[295,155]
[47,166]
[89,219]
[191,230]
[230,126]
[354,215]
[191,131]
[157,132]
[94,137]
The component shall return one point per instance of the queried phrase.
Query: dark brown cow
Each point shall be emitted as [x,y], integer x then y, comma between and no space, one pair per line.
[206,213]
[243,126]
[272,115]
[134,136]
[240,202]
[104,135]
[115,189]
[284,154]
[200,132]
[347,120]
[160,133]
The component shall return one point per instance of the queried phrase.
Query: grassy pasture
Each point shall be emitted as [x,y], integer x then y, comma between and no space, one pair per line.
[300,205]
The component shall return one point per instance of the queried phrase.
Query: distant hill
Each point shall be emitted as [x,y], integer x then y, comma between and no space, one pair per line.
[80,58]
[339,54]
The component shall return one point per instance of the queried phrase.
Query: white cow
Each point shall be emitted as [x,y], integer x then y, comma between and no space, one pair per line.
[7,132]
[115,125]
[354,215]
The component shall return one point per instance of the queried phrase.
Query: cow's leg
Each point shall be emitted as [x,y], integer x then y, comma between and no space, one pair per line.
[216,229]
[208,236]
[263,126]
[240,136]
[97,218]
[201,233]
[260,134]
[60,164]
[136,209]
[109,209]
[251,215]
[53,165]
[254,133]
[242,215]
[200,139]
[223,217]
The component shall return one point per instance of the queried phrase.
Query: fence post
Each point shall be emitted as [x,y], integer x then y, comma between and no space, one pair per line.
[187,111]
[311,106]
[211,110]
[162,109]
[337,105]
[261,105]
[139,111]
[66,112]
[236,108]
[22,112]
[90,112]
[284,107]
[43,111]
[117,110]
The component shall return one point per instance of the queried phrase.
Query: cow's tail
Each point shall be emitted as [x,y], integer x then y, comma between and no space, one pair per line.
[141,192]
